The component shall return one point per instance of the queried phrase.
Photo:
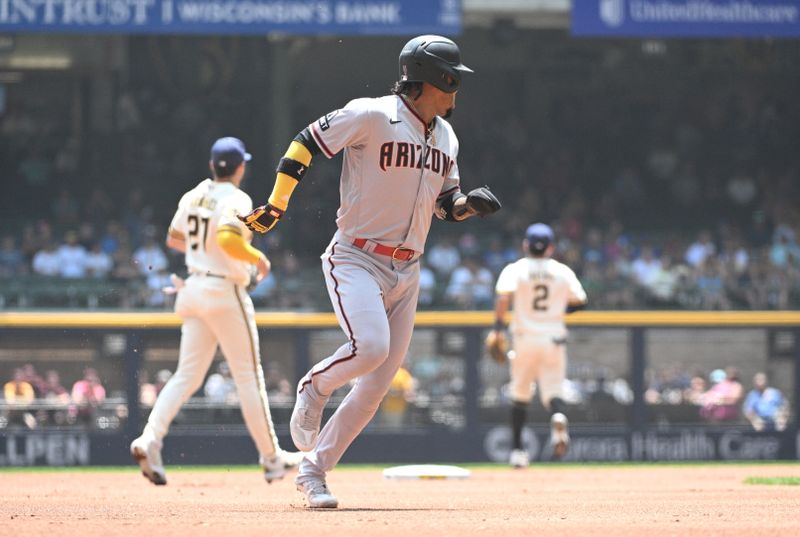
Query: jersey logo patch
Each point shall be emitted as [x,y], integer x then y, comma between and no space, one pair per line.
[325,121]
[395,121]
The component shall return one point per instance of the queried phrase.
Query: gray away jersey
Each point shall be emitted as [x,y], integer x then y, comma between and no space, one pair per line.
[392,174]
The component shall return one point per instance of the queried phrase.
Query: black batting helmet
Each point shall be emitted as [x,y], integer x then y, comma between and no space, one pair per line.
[433,59]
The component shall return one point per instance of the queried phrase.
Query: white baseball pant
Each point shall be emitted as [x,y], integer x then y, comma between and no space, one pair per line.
[217,311]
[538,358]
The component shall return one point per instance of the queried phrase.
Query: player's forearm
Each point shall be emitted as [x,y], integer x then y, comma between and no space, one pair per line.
[501,306]
[290,171]
[176,240]
[233,244]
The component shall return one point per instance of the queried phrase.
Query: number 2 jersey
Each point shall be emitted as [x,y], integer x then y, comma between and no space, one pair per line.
[204,209]
[541,289]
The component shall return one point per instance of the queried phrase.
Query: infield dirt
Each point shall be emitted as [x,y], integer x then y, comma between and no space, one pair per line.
[549,500]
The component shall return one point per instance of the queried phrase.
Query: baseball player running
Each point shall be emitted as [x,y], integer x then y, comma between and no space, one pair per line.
[399,169]
[216,309]
[542,291]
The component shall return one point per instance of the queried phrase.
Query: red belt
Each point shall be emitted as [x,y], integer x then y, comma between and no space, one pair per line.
[398,254]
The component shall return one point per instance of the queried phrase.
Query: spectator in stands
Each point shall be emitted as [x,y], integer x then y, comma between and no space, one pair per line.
[57,398]
[98,263]
[72,257]
[710,280]
[783,251]
[646,267]
[12,262]
[443,257]
[19,394]
[427,285]
[664,283]
[149,257]
[722,401]
[220,387]
[87,395]
[696,390]
[394,406]
[125,268]
[700,250]
[34,379]
[162,377]
[147,390]
[765,407]
[46,262]
[497,256]
[471,285]
[156,282]
[112,238]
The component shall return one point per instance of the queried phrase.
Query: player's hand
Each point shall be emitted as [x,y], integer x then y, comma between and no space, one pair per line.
[263,267]
[497,345]
[482,202]
[263,218]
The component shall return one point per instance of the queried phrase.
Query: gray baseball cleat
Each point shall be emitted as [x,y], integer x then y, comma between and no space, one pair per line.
[317,493]
[519,458]
[147,452]
[559,435]
[275,467]
[306,417]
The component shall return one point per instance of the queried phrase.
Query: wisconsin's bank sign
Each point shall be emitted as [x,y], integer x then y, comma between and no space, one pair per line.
[232,16]
[686,18]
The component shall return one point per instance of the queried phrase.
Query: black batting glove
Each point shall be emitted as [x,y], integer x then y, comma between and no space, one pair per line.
[263,218]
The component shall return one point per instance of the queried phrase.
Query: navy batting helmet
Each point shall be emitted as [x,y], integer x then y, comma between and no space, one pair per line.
[539,237]
[433,59]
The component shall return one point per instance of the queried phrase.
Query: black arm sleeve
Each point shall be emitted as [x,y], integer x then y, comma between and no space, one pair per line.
[444,205]
[572,308]
[305,138]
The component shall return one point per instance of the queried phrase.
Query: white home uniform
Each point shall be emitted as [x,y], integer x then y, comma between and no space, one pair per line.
[215,309]
[541,289]
[393,174]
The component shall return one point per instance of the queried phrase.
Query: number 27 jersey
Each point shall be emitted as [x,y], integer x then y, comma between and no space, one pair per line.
[541,288]
[201,212]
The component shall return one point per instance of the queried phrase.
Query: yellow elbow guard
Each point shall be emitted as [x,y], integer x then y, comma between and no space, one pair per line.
[232,243]
[291,170]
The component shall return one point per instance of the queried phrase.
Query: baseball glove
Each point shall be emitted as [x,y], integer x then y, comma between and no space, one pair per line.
[263,218]
[497,346]
[482,201]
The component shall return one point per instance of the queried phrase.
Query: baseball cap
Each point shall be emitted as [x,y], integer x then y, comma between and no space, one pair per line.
[539,236]
[227,153]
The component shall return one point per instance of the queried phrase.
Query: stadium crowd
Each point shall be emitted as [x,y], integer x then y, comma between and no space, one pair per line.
[661,197]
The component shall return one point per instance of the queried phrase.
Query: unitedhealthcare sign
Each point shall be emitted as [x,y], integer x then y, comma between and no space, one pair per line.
[335,17]
[686,18]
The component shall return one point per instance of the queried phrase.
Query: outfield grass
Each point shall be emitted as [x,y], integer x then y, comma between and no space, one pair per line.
[772,481]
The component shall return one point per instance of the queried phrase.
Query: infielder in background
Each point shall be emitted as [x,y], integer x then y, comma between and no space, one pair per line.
[216,309]
[399,170]
[542,292]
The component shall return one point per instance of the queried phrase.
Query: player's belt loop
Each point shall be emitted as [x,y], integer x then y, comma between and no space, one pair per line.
[398,253]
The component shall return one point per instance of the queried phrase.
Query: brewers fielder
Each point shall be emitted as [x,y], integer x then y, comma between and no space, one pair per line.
[542,291]
[399,170]
[216,309]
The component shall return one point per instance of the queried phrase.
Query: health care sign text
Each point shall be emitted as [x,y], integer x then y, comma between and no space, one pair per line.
[686,18]
[232,16]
